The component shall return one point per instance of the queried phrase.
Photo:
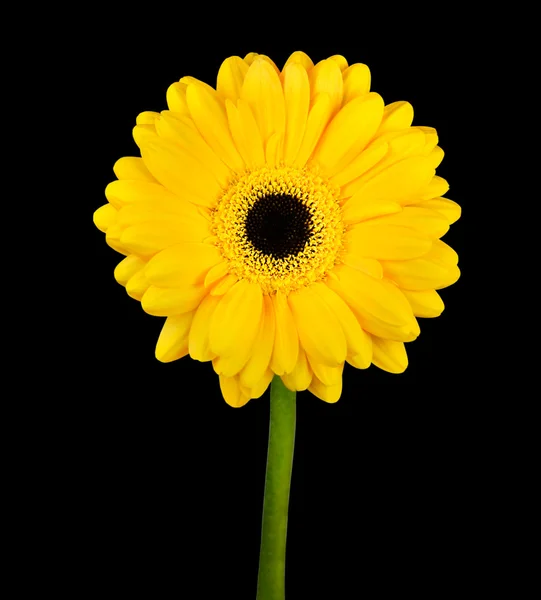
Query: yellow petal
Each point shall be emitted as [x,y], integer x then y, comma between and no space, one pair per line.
[236,322]
[300,378]
[318,118]
[348,133]
[319,330]
[210,118]
[327,393]
[286,341]
[127,268]
[258,363]
[246,392]
[397,115]
[263,92]
[356,82]
[443,254]
[143,134]
[261,386]
[167,212]
[232,364]
[274,150]
[183,264]
[340,61]
[124,192]
[359,343]
[436,187]
[199,344]
[359,360]
[112,238]
[252,57]
[245,133]
[404,143]
[166,302]
[428,223]
[425,303]
[326,78]
[176,98]
[435,157]
[223,286]
[188,80]
[237,132]
[173,341]
[131,167]
[369,157]
[327,375]
[370,266]
[435,270]
[216,273]
[180,172]
[104,217]
[297,104]
[379,305]
[145,122]
[449,209]
[431,138]
[300,58]
[332,275]
[147,117]
[378,239]
[356,212]
[398,183]
[137,285]
[184,133]
[145,239]
[400,145]
[232,392]
[231,77]
[390,355]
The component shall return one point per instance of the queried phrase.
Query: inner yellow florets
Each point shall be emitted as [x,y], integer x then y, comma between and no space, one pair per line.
[279,227]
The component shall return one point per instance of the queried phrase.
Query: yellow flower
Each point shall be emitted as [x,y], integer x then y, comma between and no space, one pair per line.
[284,223]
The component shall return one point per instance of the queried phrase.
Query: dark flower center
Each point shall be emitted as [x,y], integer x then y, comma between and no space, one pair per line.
[278,225]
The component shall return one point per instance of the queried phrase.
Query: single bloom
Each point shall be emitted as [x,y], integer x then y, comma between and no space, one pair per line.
[285,223]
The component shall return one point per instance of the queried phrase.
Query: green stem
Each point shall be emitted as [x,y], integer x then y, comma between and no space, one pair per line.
[272,557]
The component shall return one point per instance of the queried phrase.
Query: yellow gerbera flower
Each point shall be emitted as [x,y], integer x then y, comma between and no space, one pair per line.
[285,223]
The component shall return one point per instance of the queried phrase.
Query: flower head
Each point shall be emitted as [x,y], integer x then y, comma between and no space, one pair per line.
[285,223]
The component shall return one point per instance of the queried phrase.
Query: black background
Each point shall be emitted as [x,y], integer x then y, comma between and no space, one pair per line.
[406,484]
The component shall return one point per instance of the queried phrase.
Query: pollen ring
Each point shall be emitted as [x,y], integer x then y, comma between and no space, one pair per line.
[280,227]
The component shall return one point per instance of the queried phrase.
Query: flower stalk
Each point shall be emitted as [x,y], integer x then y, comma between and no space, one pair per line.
[272,556]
